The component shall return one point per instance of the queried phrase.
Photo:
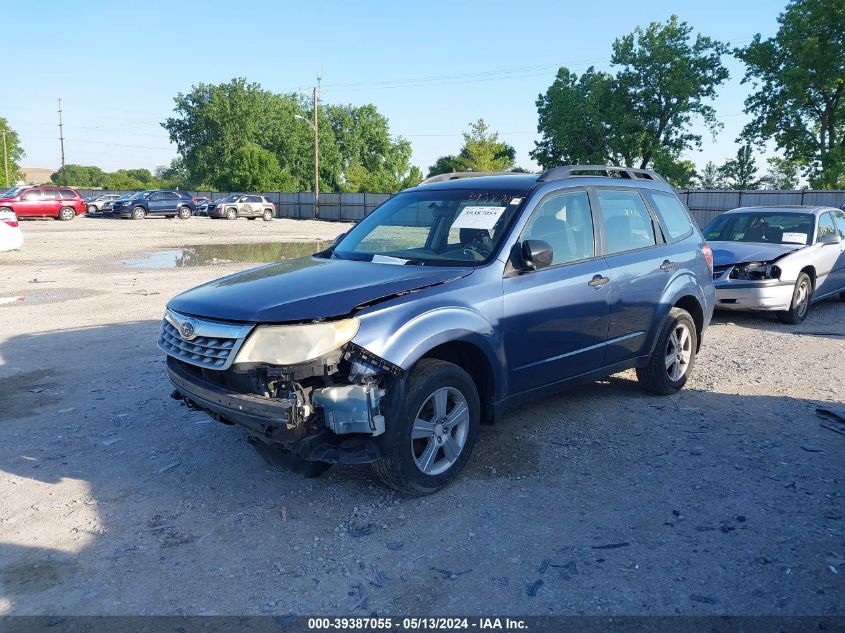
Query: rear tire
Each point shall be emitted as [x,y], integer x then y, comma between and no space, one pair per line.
[435,429]
[268,215]
[139,213]
[671,362]
[801,297]
[67,213]
[231,214]
[92,208]
[184,213]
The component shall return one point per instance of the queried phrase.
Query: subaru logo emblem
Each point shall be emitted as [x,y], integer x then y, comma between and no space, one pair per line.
[187,330]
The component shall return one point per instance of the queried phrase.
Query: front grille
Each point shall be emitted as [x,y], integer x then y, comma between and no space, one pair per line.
[213,345]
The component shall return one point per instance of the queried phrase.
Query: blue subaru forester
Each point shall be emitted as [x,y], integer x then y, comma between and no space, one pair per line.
[451,303]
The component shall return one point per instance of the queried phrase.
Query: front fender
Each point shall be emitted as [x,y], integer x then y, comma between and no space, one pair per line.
[404,343]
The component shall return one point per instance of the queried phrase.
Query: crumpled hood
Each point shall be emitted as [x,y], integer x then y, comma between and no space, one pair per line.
[726,253]
[306,288]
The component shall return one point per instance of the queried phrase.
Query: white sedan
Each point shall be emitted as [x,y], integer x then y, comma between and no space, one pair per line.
[781,259]
[11,238]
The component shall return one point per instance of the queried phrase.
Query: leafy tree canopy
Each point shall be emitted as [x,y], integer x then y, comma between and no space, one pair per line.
[782,174]
[710,177]
[741,172]
[665,80]
[253,168]
[798,78]
[14,154]
[482,151]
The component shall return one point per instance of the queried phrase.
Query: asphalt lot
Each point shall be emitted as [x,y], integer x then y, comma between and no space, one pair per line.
[114,499]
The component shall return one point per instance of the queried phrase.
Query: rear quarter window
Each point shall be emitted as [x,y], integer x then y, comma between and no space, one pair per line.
[672,214]
[67,194]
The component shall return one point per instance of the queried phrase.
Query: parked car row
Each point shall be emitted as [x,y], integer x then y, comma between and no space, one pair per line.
[63,203]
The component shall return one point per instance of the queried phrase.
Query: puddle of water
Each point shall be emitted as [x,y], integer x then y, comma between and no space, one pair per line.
[211,254]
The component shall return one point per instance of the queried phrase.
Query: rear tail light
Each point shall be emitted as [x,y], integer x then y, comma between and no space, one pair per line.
[708,254]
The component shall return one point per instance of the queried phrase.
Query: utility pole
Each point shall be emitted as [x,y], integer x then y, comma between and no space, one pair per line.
[5,157]
[316,152]
[62,143]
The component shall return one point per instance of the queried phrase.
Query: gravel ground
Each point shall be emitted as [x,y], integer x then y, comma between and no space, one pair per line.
[114,499]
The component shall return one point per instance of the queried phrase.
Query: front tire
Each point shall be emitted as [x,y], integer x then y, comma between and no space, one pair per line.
[184,213]
[67,213]
[139,213]
[92,208]
[231,214]
[436,428]
[671,362]
[801,297]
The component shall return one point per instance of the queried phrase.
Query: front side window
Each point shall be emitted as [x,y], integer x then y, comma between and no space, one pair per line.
[565,222]
[33,194]
[826,226]
[762,226]
[436,228]
[839,221]
[671,212]
[627,223]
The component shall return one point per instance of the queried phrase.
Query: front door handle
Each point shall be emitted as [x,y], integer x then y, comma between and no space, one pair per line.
[667,266]
[598,281]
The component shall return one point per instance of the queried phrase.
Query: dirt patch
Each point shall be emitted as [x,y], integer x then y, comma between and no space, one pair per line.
[36,576]
[47,295]
[25,394]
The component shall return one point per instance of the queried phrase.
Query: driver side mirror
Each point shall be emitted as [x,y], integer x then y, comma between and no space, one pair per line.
[536,254]
[830,238]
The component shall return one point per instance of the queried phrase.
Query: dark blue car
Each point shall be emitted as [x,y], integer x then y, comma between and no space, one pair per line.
[451,303]
[157,202]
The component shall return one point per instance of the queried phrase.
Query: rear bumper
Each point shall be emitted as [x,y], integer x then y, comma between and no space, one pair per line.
[763,295]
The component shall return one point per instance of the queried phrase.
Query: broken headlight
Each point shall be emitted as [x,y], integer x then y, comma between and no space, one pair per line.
[755,271]
[293,344]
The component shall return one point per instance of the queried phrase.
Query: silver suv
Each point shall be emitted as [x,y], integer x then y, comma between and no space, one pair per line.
[242,206]
[95,203]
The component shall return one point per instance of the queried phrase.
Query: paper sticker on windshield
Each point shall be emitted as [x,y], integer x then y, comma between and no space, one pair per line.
[478,217]
[795,238]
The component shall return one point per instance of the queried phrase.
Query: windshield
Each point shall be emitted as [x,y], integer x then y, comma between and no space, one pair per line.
[140,195]
[438,228]
[11,193]
[125,196]
[763,227]
[229,199]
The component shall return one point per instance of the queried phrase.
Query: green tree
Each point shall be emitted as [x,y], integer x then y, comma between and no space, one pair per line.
[174,175]
[741,172]
[710,177]
[86,176]
[679,172]
[483,151]
[372,160]
[664,81]
[122,180]
[252,168]
[782,174]
[798,78]
[444,165]
[14,154]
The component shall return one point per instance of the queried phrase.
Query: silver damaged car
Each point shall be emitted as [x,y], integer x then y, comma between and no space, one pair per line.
[779,259]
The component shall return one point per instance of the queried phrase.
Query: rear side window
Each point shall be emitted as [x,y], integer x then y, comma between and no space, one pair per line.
[627,222]
[67,194]
[566,223]
[672,213]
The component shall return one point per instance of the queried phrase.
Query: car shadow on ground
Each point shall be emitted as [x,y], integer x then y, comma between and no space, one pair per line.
[116,499]
[825,318]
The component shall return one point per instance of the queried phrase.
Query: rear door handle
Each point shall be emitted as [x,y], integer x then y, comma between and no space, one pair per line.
[666,266]
[598,281]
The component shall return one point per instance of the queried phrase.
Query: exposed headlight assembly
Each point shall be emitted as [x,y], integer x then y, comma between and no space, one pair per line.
[294,344]
[755,271]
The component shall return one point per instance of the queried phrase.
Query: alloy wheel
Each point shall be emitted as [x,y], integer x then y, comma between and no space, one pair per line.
[802,299]
[678,352]
[440,431]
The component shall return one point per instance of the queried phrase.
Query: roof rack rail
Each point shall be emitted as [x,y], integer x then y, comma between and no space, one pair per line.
[572,171]
[457,175]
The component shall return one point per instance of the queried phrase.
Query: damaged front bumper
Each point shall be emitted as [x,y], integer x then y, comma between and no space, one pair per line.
[769,294]
[327,411]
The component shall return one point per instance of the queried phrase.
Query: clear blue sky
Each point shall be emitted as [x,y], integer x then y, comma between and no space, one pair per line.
[430,67]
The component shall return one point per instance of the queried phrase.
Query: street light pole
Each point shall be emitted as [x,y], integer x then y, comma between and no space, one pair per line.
[5,157]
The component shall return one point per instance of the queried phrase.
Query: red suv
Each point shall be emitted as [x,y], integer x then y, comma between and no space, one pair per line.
[63,203]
